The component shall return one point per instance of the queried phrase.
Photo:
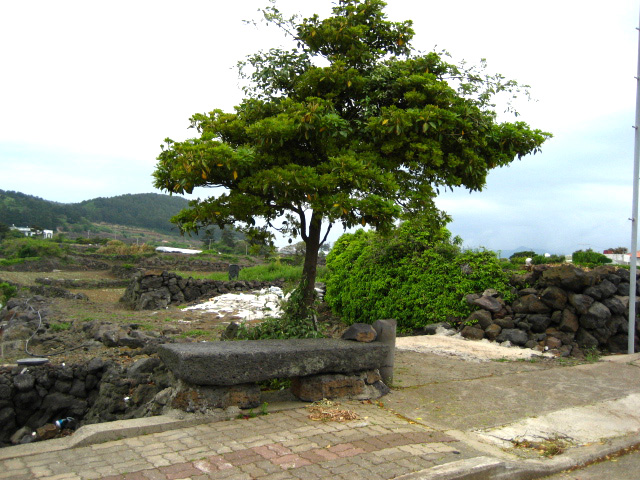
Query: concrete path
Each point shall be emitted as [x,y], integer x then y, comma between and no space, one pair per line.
[446,418]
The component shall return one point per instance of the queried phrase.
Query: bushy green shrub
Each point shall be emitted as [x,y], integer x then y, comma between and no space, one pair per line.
[27,247]
[523,255]
[6,292]
[589,258]
[116,247]
[281,328]
[414,276]
[543,260]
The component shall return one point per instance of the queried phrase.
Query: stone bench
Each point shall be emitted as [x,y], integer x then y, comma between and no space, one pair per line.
[225,373]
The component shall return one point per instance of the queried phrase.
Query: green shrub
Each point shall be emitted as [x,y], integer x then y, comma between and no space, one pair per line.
[116,247]
[6,292]
[589,258]
[542,260]
[284,327]
[61,326]
[523,255]
[6,262]
[270,272]
[414,276]
[30,247]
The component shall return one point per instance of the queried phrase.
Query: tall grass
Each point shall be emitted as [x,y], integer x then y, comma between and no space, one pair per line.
[262,273]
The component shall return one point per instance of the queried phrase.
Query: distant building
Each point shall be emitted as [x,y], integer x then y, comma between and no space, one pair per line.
[32,232]
[621,258]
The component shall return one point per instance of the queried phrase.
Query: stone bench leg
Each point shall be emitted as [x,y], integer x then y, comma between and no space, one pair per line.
[386,333]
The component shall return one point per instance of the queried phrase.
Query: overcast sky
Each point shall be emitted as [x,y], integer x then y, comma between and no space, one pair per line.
[89,90]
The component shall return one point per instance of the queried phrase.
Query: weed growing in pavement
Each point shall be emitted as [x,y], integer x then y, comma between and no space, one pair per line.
[549,447]
[592,355]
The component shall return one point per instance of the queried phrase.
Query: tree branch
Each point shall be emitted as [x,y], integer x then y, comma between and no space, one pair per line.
[326,234]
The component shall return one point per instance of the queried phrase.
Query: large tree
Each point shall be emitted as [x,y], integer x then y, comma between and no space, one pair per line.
[351,126]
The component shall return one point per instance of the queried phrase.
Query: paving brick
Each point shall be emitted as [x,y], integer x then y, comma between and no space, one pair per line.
[278,476]
[242,457]
[291,461]
[181,470]
[89,474]
[154,474]
[64,476]
[158,461]
[220,462]
[194,453]
[15,472]
[134,476]
[365,445]
[174,458]
[40,471]
[252,470]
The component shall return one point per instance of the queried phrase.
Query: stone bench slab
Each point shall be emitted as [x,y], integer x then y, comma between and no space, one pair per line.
[248,361]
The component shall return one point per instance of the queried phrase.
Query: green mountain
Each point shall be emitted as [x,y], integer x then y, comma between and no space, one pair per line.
[144,210]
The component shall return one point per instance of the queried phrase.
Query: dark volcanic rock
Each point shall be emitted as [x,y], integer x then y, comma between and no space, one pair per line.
[230,363]
[360,332]
[566,277]
[513,335]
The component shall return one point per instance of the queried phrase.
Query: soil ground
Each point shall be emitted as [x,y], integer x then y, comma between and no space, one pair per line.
[66,318]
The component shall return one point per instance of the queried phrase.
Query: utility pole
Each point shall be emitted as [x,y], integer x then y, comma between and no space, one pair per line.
[633,257]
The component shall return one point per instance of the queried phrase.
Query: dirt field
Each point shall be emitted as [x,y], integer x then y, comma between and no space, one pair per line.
[68,322]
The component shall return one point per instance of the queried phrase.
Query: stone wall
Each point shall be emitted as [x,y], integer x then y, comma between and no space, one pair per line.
[33,397]
[184,262]
[153,290]
[561,309]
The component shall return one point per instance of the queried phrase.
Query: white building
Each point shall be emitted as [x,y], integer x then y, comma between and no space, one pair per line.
[31,232]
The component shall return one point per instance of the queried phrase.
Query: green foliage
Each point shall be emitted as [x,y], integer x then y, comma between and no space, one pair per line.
[284,327]
[523,255]
[351,126]
[271,271]
[7,262]
[592,355]
[148,210]
[197,332]
[416,278]
[6,292]
[543,260]
[28,247]
[60,326]
[589,258]
[116,247]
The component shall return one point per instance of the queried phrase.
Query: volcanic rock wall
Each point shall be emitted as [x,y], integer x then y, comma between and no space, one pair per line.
[562,309]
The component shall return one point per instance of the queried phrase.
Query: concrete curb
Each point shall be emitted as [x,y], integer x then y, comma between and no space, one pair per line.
[120,429]
[486,467]
[478,468]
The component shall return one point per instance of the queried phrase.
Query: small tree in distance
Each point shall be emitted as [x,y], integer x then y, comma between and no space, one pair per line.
[351,127]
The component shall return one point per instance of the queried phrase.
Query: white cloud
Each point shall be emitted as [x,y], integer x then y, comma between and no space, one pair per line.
[90,91]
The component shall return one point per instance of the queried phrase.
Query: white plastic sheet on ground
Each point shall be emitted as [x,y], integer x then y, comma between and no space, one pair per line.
[254,305]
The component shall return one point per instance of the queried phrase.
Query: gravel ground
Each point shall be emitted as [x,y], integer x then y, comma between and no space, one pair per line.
[471,350]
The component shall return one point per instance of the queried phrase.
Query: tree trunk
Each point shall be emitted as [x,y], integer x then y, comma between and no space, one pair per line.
[310,269]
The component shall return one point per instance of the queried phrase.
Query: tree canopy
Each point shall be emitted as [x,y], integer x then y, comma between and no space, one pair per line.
[351,126]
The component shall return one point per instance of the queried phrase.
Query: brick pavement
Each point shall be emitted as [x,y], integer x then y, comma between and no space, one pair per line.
[278,446]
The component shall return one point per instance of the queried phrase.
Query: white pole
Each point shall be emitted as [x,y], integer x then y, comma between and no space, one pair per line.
[634,217]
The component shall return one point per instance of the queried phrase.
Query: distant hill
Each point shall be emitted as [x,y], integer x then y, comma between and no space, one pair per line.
[145,210]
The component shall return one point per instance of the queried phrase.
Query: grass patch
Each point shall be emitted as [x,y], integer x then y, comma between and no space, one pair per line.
[199,333]
[60,326]
[6,262]
[261,273]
